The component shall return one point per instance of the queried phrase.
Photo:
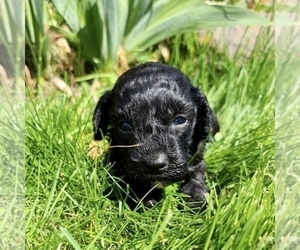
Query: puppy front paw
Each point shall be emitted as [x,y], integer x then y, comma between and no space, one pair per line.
[150,203]
[145,194]
[196,195]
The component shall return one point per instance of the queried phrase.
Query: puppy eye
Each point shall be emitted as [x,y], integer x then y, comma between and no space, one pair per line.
[179,120]
[126,127]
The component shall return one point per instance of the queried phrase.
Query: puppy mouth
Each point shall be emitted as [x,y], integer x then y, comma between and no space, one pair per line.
[160,177]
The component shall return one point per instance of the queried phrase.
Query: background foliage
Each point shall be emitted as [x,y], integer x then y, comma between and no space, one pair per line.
[106,34]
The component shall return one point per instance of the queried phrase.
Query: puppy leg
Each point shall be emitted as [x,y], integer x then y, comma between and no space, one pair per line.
[194,184]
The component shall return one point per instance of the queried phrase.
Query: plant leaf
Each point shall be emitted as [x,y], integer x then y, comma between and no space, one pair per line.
[178,18]
[115,14]
[69,10]
[137,10]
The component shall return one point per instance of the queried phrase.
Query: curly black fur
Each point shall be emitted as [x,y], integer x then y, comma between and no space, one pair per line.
[165,121]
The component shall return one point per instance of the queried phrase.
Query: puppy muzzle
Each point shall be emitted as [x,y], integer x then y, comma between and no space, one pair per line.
[153,175]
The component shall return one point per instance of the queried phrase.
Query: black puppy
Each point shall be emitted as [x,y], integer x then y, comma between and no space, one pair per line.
[158,124]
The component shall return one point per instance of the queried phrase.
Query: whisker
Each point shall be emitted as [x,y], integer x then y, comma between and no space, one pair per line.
[126,146]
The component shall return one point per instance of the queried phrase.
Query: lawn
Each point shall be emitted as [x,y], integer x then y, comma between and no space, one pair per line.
[68,201]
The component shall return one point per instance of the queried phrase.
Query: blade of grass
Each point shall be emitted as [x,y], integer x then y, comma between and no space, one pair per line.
[70,238]
[52,192]
[161,228]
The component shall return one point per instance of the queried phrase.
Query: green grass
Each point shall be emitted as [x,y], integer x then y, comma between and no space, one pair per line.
[12,170]
[66,203]
[287,140]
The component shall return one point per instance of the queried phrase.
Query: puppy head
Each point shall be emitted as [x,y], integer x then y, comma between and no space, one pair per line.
[155,119]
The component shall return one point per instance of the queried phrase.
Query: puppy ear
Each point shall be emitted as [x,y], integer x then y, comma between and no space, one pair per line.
[205,118]
[101,117]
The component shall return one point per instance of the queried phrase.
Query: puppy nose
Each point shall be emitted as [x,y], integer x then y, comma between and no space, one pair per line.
[156,161]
